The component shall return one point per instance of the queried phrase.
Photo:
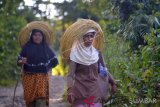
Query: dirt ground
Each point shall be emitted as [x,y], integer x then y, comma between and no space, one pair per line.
[57,86]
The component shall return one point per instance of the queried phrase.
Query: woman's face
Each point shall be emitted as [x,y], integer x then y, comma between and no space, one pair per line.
[37,37]
[88,39]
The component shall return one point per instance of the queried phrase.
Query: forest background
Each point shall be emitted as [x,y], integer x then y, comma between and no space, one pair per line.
[132,41]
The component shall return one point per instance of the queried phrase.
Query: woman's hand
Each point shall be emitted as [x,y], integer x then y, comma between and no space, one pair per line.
[113,88]
[70,96]
[113,84]
[22,61]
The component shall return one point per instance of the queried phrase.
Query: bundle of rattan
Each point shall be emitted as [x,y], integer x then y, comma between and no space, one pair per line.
[76,31]
[24,34]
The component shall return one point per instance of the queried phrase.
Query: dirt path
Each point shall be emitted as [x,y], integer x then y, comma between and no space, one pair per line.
[57,86]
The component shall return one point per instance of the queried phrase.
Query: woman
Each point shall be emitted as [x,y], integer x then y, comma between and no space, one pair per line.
[84,58]
[37,59]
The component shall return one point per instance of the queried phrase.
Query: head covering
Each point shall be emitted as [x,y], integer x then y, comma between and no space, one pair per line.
[35,31]
[82,54]
[40,57]
[76,31]
[44,27]
[91,31]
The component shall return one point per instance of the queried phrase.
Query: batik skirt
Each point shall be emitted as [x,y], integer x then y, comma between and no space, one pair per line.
[35,86]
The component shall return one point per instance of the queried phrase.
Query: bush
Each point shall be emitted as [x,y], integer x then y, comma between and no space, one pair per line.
[137,70]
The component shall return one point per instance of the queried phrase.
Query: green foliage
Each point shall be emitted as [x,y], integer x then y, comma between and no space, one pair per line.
[9,27]
[132,54]
[137,19]
[137,71]
[11,23]
[71,11]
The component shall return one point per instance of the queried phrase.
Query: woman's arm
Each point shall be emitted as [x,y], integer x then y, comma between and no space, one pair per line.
[22,59]
[111,80]
[110,77]
[70,81]
[52,57]
[71,73]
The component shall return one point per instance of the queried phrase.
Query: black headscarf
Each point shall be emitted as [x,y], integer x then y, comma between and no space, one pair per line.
[35,31]
[40,58]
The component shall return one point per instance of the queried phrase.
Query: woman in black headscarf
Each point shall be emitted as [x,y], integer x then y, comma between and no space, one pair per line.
[37,59]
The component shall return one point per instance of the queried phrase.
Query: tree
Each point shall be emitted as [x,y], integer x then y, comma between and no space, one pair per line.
[14,15]
[71,11]
[137,19]
[138,67]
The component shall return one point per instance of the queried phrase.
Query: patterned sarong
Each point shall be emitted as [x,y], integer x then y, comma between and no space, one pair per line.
[35,86]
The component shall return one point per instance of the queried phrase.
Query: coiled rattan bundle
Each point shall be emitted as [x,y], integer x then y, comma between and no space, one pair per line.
[76,31]
[24,34]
